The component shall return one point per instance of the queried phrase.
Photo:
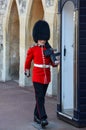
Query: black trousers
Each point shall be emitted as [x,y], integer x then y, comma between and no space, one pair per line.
[40,92]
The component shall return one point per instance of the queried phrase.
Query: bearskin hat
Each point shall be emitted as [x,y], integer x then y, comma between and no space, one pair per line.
[41,31]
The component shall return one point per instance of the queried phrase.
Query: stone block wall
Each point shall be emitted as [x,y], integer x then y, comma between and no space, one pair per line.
[3,5]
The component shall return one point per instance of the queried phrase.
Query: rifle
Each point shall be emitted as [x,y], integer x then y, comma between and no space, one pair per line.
[51,52]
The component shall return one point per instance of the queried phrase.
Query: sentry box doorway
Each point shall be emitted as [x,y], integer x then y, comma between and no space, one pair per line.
[71,104]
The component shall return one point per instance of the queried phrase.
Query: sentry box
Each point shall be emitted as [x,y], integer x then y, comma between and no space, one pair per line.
[71,104]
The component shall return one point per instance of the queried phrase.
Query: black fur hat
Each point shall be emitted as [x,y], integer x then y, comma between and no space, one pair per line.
[41,31]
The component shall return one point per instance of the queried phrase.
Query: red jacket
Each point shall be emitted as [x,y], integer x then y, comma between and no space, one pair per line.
[40,74]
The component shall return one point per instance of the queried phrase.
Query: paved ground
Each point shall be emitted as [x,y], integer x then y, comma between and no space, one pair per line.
[17,105]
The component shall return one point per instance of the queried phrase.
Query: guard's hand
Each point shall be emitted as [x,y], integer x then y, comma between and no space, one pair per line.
[57,62]
[27,73]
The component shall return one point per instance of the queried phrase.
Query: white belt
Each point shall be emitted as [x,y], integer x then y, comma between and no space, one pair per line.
[41,65]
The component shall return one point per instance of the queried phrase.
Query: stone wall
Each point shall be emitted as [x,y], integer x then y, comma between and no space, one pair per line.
[3,5]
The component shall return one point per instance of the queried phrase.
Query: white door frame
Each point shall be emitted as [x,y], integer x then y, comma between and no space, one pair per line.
[67,56]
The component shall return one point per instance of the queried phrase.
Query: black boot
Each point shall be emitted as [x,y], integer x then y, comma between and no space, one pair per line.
[37,120]
[44,123]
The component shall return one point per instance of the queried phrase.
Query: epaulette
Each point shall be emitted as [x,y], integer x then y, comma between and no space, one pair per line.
[35,44]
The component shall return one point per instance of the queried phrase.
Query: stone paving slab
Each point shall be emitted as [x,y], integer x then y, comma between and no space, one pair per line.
[17,106]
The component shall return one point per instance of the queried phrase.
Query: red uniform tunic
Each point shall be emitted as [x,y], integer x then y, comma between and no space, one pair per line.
[39,74]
